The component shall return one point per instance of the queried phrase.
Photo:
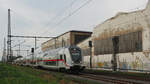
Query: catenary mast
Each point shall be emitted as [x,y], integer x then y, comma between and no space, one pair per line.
[9,53]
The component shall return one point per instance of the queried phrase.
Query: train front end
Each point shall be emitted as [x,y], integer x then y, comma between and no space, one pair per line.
[76,59]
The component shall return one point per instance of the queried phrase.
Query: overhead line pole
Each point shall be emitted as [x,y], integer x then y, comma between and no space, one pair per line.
[4,52]
[9,53]
[35,43]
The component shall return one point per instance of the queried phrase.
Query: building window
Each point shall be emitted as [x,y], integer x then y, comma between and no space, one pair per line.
[131,42]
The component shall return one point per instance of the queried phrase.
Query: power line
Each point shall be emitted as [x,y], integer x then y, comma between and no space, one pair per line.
[59,14]
[65,18]
[31,36]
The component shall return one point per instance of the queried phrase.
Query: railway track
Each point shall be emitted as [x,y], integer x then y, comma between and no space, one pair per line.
[112,80]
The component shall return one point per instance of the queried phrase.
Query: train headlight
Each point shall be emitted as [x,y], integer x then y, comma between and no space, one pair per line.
[72,62]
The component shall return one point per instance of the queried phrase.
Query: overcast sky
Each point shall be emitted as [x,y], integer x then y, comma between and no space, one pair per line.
[48,17]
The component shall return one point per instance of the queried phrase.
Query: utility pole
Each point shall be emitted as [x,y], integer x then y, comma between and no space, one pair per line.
[55,42]
[35,43]
[115,41]
[90,45]
[19,48]
[32,51]
[26,56]
[4,52]
[9,53]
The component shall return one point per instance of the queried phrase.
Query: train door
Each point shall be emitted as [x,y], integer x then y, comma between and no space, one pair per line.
[57,57]
[60,62]
[65,60]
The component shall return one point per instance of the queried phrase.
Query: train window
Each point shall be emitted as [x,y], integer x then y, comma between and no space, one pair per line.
[53,63]
[76,55]
[61,57]
[65,57]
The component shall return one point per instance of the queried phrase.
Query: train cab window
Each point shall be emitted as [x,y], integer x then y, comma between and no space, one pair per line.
[65,57]
[60,57]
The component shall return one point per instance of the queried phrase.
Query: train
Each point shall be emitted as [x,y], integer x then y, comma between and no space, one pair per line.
[67,59]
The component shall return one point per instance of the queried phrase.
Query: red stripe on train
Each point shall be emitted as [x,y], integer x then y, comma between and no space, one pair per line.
[53,60]
[56,60]
[50,60]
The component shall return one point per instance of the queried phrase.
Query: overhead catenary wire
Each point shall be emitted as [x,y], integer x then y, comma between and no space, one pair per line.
[65,18]
[59,14]
[72,13]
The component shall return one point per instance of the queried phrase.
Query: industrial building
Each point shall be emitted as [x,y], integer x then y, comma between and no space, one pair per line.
[72,37]
[129,33]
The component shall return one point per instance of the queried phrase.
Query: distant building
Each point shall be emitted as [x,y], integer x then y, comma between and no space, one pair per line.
[72,37]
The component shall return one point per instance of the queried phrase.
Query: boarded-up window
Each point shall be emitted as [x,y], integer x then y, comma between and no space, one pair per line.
[131,42]
[104,46]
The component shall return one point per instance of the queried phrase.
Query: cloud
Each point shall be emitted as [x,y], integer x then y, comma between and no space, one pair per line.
[33,18]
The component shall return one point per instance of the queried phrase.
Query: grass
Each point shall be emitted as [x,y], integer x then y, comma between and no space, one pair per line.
[10,74]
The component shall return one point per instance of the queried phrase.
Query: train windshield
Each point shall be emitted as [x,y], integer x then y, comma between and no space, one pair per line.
[75,55]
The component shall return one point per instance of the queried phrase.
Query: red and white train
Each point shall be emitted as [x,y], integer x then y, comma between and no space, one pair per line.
[65,58]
